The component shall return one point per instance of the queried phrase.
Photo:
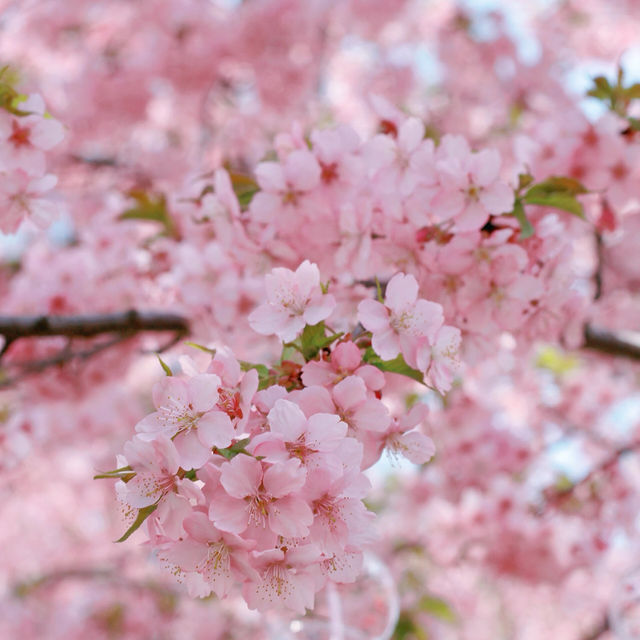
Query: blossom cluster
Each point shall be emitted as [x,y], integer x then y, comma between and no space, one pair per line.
[445,215]
[252,476]
[27,132]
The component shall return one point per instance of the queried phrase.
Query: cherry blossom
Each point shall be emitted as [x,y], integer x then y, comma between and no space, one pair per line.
[403,319]
[294,299]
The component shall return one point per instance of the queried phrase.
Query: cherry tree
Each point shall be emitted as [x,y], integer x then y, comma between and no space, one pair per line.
[300,297]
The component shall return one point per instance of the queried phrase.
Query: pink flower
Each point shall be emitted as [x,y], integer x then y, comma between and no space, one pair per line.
[360,411]
[187,409]
[470,186]
[284,184]
[394,157]
[24,138]
[238,390]
[292,435]
[295,299]
[284,579]
[340,517]
[155,465]
[402,321]
[414,445]
[445,358]
[221,558]
[25,197]
[346,359]
[259,497]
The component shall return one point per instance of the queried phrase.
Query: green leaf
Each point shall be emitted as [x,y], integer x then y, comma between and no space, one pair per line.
[165,367]
[201,347]
[524,180]
[526,228]
[291,352]
[558,184]
[143,514]
[633,91]
[602,89]
[190,475]
[379,295]
[438,608]
[10,99]
[266,377]
[234,449]
[563,483]
[408,629]
[123,473]
[397,365]
[151,207]
[313,339]
[245,187]
[634,123]
[557,192]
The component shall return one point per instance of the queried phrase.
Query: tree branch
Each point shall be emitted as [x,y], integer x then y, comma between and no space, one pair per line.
[620,343]
[556,497]
[122,325]
[87,326]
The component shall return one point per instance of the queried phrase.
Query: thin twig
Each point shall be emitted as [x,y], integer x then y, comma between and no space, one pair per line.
[558,496]
[597,276]
[32,367]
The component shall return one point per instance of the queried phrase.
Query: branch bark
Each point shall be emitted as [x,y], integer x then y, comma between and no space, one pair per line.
[619,343]
[122,325]
[87,326]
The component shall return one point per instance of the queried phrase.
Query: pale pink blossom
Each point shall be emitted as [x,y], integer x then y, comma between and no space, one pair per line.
[284,580]
[470,185]
[313,441]
[262,495]
[221,558]
[295,299]
[361,411]
[187,410]
[346,359]
[402,321]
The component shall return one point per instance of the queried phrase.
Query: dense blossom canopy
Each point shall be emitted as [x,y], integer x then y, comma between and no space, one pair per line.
[402,237]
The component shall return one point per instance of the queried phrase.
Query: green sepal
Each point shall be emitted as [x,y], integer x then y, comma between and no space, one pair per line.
[165,367]
[245,187]
[526,228]
[201,347]
[313,340]
[123,473]
[266,377]
[235,449]
[143,514]
[557,192]
[438,608]
[150,207]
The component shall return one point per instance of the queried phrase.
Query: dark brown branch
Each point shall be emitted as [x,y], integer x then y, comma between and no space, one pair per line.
[87,326]
[619,343]
[32,367]
[597,276]
[120,325]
